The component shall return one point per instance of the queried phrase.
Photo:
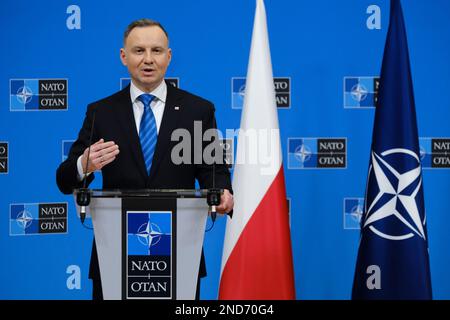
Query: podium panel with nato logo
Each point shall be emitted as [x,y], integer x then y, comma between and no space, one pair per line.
[149,242]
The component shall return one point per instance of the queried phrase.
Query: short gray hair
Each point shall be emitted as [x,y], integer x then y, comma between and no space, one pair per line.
[143,23]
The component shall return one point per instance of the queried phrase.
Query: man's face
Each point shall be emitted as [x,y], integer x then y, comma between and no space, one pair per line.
[147,55]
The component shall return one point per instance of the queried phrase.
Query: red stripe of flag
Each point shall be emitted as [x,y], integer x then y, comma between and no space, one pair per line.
[260,265]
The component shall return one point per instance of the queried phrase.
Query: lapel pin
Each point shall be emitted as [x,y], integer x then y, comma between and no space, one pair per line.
[177,108]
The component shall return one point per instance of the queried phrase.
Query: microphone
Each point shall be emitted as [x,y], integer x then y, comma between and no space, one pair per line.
[83,200]
[213,198]
[84,196]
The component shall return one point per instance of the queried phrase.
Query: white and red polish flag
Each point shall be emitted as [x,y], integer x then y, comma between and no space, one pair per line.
[257,254]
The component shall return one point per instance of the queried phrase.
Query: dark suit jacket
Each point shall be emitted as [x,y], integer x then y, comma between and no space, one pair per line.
[114,121]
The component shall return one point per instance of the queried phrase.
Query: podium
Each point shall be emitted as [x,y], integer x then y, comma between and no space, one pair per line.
[148,242]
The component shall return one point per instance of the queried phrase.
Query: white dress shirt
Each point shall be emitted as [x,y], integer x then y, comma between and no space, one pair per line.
[157,105]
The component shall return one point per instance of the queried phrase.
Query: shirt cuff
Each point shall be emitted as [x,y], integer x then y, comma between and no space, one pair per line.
[80,170]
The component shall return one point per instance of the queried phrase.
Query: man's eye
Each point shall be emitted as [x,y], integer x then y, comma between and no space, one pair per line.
[139,50]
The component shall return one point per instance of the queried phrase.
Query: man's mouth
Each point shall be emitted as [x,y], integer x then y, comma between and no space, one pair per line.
[147,71]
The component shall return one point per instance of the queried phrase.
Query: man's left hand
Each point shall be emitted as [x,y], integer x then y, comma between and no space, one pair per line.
[226,202]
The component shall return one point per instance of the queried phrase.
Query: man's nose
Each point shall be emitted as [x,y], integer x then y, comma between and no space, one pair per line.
[148,57]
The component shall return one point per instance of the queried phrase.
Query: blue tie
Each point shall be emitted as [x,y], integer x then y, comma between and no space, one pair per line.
[148,133]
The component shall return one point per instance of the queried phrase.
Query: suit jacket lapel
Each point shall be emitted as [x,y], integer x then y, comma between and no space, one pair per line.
[168,124]
[124,111]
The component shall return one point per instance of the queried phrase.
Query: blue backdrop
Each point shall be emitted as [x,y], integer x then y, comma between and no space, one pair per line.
[58,56]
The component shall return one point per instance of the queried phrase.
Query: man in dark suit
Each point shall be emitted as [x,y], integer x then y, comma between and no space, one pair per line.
[123,151]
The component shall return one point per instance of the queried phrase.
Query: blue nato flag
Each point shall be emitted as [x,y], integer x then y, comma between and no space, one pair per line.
[393,258]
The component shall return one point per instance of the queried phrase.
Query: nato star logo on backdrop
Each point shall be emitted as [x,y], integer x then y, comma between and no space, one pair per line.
[23,219]
[353,211]
[24,95]
[393,213]
[360,92]
[38,94]
[302,153]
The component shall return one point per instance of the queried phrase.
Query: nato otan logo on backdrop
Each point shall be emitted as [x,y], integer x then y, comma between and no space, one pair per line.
[312,153]
[175,81]
[149,265]
[37,218]
[360,92]
[282,92]
[3,157]
[38,94]
[435,152]
[66,145]
[353,211]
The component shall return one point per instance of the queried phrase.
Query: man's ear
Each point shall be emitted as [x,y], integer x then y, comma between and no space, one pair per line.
[123,56]
[169,52]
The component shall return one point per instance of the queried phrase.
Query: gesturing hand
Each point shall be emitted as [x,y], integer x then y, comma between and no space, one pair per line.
[101,154]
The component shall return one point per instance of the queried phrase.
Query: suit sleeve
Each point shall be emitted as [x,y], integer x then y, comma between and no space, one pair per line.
[66,174]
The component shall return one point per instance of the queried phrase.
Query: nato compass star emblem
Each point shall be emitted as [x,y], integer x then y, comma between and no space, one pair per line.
[357,212]
[302,153]
[149,234]
[396,197]
[24,94]
[24,219]
[359,92]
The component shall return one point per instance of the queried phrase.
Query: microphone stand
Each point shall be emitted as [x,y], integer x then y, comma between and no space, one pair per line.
[84,194]
[213,195]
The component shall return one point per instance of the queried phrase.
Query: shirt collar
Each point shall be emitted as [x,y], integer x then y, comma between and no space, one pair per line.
[160,92]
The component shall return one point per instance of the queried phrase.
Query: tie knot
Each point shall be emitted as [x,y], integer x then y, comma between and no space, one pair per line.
[146,99]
